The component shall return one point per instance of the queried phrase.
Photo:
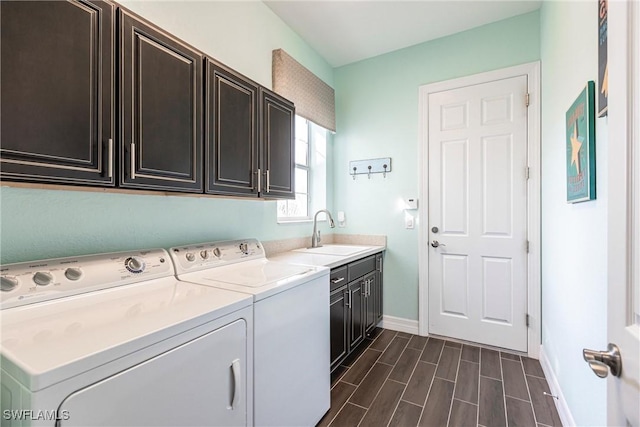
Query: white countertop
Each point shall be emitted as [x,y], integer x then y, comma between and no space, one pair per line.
[326,260]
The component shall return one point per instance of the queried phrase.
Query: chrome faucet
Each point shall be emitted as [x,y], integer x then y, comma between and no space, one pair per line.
[315,238]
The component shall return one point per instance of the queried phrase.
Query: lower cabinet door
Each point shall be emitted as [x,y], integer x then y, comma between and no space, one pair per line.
[202,382]
[378,290]
[357,310]
[339,329]
[371,292]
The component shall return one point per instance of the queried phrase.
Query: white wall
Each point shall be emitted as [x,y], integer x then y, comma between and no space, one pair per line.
[574,236]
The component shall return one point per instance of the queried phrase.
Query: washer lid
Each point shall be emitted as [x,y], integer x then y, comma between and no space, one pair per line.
[46,343]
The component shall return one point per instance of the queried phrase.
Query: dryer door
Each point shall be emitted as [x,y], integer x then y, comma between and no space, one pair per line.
[202,382]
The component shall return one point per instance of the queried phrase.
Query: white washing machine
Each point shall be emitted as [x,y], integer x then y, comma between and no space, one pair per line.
[116,340]
[291,325]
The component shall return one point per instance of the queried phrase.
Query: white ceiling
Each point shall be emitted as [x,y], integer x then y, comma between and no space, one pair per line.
[348,31]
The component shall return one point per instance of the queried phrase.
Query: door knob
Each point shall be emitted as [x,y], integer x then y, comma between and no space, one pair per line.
[603,361]
[436,244]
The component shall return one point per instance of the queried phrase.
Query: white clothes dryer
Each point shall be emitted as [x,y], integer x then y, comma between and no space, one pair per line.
[116,340]
[291,325]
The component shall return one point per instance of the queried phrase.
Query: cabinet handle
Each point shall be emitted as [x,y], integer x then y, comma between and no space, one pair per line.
[237,384]
[259,181]
[368,288]
[268,182]
[133,160]
[110,160]
[349,302]
[334,281]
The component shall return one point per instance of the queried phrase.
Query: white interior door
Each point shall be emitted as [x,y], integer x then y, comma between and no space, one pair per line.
[623,319]
[478,213]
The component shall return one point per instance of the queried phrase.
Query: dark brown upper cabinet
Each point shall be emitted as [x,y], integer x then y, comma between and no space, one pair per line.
[57,85]
[161,110]
[231,128]
[277,133]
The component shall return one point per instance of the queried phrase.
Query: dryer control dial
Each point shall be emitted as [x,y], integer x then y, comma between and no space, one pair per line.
[8,283]
[204,254]
[73,273]
[217,252]
[134,265]
[42,278]
[244,248]
[190,257]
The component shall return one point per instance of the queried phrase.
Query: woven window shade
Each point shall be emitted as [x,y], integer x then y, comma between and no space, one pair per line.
[314,99]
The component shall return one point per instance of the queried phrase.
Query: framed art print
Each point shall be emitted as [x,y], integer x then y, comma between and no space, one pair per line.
[581,147]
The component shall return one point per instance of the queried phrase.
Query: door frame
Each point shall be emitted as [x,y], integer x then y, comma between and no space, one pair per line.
[532,71]
[623,235]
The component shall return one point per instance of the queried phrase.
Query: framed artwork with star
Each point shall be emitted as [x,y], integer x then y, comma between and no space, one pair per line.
[581,147]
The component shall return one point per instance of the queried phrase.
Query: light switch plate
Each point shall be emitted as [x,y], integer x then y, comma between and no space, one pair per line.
[408,221]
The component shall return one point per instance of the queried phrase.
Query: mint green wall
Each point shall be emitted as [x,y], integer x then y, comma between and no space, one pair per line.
[377,116]
[574,236]
[37,224]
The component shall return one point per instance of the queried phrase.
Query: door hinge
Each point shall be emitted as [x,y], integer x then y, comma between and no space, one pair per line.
[526,100]
[526,319]
[527,172]
[527,246]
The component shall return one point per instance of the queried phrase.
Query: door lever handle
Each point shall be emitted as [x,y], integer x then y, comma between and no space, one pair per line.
[601,362]
[436,244]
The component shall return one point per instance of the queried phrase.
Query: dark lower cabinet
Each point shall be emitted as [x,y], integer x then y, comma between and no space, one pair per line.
[370,291]
[339,327]
[377,289]
[277,145]
[161,88]
[231,127]
[57,85]
[355,308]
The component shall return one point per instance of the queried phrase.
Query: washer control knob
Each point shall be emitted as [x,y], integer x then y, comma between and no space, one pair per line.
[42,278]
[244,248]
[73,273]
[8,283]
[134,264]
[217,252]
[204,254]
[190,257]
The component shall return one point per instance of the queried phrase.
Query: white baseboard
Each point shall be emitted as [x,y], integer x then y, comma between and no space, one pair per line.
[561,404]
[399,324]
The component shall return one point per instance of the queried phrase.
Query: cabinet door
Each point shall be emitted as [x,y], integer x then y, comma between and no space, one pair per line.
[371,296]
[57,80]
[378,288]
[161,109]
[231,127]
[339,331]
[277,135]
[357,311]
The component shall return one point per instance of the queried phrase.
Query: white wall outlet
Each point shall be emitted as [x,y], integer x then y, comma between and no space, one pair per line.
[342,219]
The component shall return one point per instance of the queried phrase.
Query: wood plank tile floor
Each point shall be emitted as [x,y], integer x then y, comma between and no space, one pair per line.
[399,379]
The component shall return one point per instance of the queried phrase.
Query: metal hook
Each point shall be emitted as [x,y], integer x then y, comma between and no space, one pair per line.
[384,173]
[369,173]
[354,172]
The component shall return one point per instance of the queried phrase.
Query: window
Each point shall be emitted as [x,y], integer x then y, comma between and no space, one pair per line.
[310,173]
